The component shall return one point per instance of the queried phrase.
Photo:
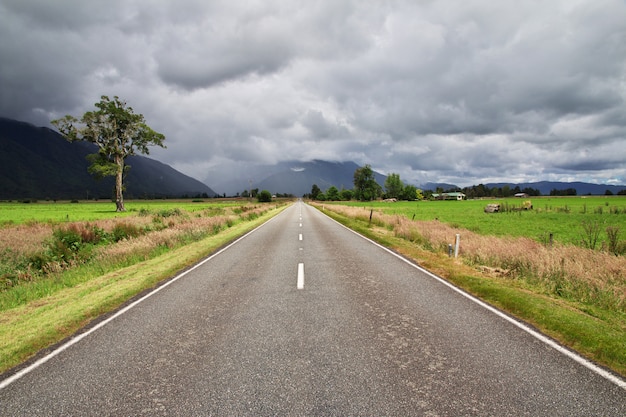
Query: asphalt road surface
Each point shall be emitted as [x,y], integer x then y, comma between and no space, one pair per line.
[303,317]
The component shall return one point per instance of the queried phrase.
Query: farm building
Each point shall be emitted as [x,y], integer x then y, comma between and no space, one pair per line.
[449,196]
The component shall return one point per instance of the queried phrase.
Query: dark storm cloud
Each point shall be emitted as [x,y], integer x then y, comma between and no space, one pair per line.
[217,57]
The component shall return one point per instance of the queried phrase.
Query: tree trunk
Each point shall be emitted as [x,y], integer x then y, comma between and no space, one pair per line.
[119,197]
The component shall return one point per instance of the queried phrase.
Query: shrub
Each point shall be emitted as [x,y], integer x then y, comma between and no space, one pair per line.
[125,230]
[264,196]
[92,234]
[169,212]
[591,232]
[66,239]
[612,233]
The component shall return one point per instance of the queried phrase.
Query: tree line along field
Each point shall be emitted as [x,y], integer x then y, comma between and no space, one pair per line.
[569,220]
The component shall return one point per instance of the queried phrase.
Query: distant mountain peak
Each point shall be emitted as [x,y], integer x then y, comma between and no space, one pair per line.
[298,177]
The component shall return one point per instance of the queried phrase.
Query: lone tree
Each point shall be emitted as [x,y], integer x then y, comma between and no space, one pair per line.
[118,132]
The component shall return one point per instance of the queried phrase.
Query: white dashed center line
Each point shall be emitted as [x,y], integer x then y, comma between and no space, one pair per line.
[300,284]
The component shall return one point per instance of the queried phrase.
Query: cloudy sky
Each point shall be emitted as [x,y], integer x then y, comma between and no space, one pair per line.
[462,92]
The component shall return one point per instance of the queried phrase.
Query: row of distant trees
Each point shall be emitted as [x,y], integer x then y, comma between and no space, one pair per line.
[480,190]
[366,188]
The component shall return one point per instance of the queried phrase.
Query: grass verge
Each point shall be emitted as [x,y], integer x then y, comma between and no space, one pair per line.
[597,334]
[38,324]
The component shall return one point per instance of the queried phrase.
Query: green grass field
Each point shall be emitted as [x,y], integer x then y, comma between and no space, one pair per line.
[48,211]
[563,217]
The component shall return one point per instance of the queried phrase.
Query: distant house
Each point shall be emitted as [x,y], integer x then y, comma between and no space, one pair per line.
[521,195]
[449,196]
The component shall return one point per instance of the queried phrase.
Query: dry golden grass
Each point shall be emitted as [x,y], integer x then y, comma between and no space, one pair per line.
[19,245]
[573,272]
[24,238]
[170,236]
[30,238]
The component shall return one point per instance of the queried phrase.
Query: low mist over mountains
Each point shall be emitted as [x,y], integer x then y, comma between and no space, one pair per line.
[291,177]
[38,163]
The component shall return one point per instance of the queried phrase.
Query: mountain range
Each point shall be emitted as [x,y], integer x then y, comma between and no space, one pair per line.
[298,177]
[38,163]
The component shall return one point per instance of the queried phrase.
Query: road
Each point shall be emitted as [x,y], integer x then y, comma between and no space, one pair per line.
[303,317]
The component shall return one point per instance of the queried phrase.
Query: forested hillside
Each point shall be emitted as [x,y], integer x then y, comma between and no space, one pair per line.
[38,163]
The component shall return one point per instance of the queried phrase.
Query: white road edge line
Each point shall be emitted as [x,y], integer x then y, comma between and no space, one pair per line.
[6,382]
[300,284]
[538,335]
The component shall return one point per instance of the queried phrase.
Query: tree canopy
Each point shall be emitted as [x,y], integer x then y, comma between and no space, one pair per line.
[264,196]
[332,194]
[315,191]
[393,186]
[117,132]
[365,186]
